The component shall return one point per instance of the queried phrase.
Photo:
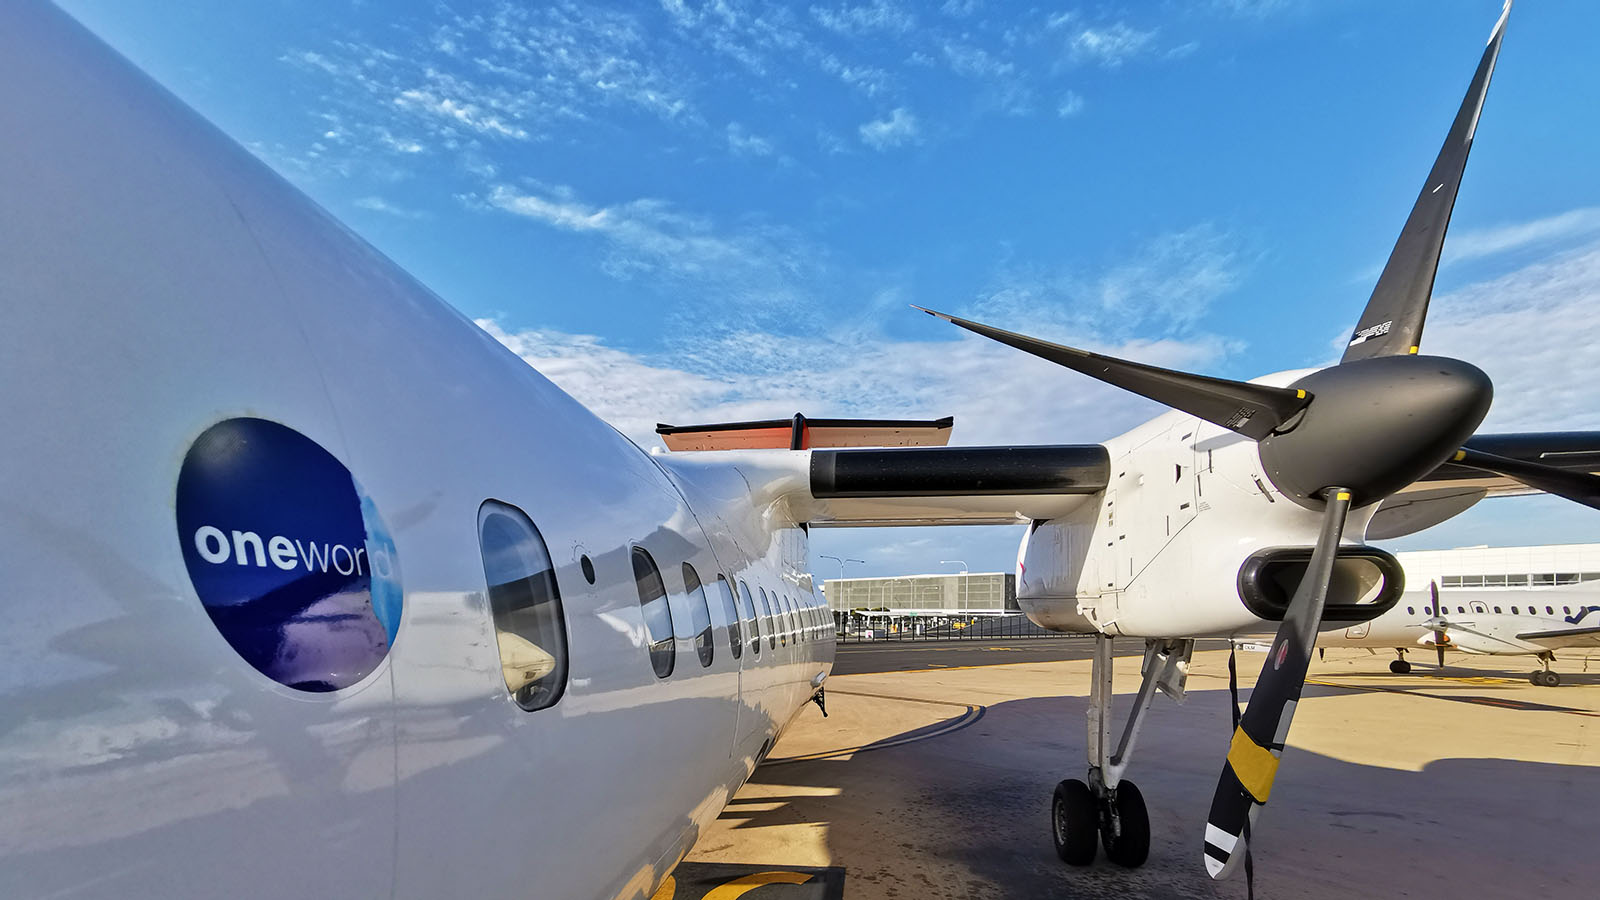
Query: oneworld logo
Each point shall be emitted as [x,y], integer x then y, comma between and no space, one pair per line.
[288,555]
[246,548]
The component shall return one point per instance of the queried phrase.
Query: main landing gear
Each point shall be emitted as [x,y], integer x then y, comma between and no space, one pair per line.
[1545,678]
[1108,809]
[1401,666]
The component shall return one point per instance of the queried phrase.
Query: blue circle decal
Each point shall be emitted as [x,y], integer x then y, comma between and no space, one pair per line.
[287,554]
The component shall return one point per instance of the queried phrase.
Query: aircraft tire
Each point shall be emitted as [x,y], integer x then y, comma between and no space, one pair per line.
[1400,666]
[1074,822]
[1132,847]
[1549,679]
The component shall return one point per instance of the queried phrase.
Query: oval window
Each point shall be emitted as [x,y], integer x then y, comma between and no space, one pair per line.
[751,617]
[775,625]
[526,604]
[657,612]
[731,612]
[699,614]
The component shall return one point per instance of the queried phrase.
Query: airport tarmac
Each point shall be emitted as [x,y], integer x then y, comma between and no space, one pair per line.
[935,783]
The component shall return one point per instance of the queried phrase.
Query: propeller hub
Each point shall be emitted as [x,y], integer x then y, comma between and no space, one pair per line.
[1376,425]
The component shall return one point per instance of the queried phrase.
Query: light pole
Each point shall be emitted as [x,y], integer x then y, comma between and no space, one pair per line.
[841,562]
[960,562]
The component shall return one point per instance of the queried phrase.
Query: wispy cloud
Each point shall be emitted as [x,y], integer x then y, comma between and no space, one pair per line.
[380,205]
[879,16]
[1109,45]
[1543,235]
[1071,104]
[1534,332]
[647,237]
[1481,242]
[1162,288]
[490,79]
[996,393]
[899,128]
[743,143]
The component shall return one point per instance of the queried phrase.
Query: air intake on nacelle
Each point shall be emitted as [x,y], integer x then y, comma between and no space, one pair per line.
[1367,582]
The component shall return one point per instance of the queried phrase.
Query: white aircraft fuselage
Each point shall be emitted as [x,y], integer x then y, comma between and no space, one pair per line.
[1485,622]
[159,280]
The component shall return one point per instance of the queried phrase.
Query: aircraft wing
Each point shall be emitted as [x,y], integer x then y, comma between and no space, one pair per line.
[910,485]
[1557,638]
[1575,451]
[1451,489]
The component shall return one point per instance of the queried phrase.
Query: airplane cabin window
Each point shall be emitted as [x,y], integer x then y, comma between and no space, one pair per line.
[751,617]
[1548,611]
[794,617]
[1410,611]
[657,612]
[1565,610]
[525,602]
[1461,609]
[1497,609]
[699,614]
[1514,611]
[731,611]
[773,625]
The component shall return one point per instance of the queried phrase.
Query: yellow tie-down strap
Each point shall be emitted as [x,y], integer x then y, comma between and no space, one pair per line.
[1253,765]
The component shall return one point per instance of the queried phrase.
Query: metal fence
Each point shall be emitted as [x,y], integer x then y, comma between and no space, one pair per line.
[853,627]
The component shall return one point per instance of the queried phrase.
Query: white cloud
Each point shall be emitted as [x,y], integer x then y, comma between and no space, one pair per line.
[997,394]
[1480,242]
[899,128]
[1109,45]
[1163,287]
[1535,333]
[743,143]
[1071,104]
[855,21]
[468,114]
[767,270]
[380,205]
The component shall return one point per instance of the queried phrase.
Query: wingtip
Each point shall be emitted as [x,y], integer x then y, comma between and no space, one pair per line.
[936,314]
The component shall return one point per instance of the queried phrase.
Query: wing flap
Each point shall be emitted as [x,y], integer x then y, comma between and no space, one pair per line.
[801,433]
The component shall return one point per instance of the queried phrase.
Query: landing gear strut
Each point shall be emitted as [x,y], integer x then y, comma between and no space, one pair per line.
[1401,666]
[1545,677]
[1107,806]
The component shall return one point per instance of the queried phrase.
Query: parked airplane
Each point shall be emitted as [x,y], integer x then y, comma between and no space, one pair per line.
[1493,622]
[315,589]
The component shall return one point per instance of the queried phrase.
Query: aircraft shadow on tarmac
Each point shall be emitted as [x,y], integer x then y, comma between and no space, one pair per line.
[965,813]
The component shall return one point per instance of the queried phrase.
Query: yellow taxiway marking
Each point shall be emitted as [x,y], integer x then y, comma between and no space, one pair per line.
[746,883]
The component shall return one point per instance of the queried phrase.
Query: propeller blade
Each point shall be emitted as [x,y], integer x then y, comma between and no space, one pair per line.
[1252,410]
[1579,487]
[1438,633]
[1391,325]
[1252,762]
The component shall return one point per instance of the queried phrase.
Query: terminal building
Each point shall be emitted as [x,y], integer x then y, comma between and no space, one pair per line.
[980,593]
[1501,568]
[995,593]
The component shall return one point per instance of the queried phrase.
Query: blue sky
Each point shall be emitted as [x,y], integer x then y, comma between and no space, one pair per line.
[685,211]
